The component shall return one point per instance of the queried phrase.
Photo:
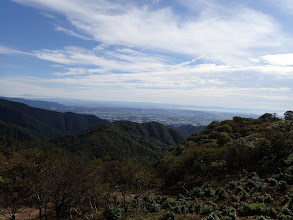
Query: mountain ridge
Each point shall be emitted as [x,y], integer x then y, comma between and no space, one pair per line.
[48,124]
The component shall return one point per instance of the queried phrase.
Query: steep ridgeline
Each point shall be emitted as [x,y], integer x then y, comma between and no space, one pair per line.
[48,124]
[123,139]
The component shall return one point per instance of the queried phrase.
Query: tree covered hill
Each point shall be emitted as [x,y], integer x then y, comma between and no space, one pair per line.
[234,169]
[144,142]
[230,145]
[48,124]
[188,129]
[17,132]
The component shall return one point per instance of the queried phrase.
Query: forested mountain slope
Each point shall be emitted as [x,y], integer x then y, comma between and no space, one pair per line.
[188,129]
[237,144]
[234,169]
[48,124]
[123,139]
[17,132]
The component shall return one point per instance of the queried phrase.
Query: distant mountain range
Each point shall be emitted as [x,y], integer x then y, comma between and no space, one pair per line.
[40,104]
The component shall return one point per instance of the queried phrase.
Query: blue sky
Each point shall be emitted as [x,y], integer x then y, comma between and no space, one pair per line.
[224,53]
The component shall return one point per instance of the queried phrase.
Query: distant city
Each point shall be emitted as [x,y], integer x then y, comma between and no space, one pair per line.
[166,114]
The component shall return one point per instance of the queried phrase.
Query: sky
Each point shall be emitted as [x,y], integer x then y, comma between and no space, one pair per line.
[236,54]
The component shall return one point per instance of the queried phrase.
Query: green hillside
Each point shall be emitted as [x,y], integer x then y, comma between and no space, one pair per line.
[236,144]
[17,132]
[46,123]
[123,139]
[188,129]
[234,169]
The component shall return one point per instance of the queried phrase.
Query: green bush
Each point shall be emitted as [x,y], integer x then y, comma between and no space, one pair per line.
[254,184]
[288,175]
[235,198]
[287,211]
[112,214]
[239,189]
[168,203]
[272,181]
[160,199]
[212,216]
[266,198]
[208,191]
[154,208]
[282,185]
[255,209]
[244,196]
[229,213]
[285,217]
[262,218]
[253,175]
[208,208]
[195,207]
[180,206]
[197,192]
[222,193]
[169,216]
[231,185]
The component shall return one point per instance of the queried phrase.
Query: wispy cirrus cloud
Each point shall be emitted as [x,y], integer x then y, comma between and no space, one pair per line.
[10,51]
[72,33]
[228,39]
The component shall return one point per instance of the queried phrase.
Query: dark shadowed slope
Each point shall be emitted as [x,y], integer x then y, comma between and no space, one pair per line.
[17,132]
[47,123]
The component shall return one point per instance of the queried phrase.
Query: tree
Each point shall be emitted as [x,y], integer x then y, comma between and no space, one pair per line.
[267,116]
[68,185]
[128,177]
[288,115]
[14,187]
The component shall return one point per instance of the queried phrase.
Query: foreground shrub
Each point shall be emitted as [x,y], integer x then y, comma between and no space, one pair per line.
[254,184]
[229,213]
[282,185]
[256,209]
[169,216]
[154,208]
[262,218]
[222,194]
[208,208]
[212,216]
[231,185]
[285,217]
[272,181]
[112,214]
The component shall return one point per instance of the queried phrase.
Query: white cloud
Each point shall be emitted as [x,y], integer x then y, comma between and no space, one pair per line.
[72,33]
[279,59]
[228,39]
[9,51]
